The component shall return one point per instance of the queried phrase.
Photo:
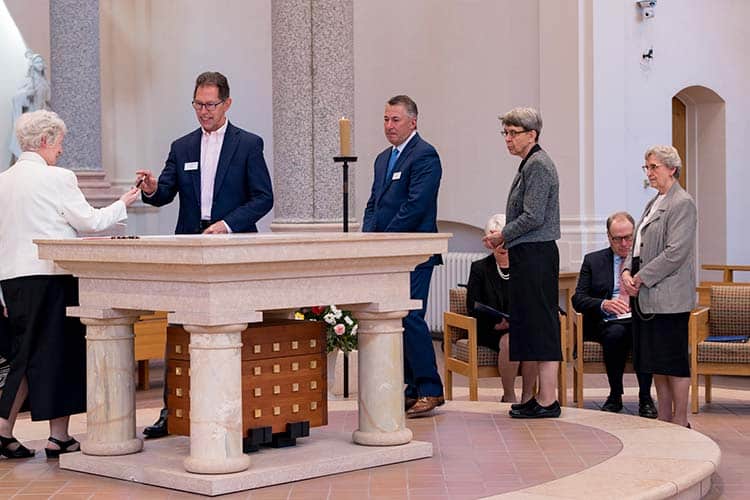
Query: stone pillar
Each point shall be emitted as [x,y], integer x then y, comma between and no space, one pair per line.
[313,86]
[382,420]
[110,387]
[216,400]
[76,93]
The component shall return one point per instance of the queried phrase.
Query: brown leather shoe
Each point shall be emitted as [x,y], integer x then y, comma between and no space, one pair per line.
[409,402]
[425,405]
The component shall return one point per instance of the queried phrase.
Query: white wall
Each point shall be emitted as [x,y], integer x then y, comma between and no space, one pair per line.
[695,43]
[464,63]
[151,54]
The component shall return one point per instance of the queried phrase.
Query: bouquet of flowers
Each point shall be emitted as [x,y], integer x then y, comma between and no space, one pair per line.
[341,327]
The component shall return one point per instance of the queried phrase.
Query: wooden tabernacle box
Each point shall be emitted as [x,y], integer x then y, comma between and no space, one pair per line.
[283,376]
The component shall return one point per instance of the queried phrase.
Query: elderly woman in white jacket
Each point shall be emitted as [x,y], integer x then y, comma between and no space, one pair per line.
[40,200]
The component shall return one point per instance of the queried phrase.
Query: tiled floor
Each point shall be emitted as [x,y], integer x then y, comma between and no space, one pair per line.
[476,454]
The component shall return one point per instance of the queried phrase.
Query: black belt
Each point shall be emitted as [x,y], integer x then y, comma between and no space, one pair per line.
[205,224]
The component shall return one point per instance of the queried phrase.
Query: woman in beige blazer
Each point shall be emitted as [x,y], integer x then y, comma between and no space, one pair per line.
[48,362]
[659,275]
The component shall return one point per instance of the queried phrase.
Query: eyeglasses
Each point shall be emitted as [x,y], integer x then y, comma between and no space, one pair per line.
[513,133]
[210,106]
[650,168]
[620,239]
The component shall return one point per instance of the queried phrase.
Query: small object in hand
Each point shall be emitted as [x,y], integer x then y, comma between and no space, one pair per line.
[139,182]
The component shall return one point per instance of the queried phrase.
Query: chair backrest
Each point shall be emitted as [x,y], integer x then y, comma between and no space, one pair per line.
[730,310]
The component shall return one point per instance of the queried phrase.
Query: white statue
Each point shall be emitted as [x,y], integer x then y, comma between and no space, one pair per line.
[33,94]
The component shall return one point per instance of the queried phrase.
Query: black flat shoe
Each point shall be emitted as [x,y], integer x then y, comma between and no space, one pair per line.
[20,452]
[68,446]
[520,406]
[613,404]
[647,409]
[538,411]
[159,429]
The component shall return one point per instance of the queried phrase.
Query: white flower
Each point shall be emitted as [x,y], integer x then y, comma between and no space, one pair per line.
[354,329]
[333,308]
[337,313]
[348,320]
[330,319]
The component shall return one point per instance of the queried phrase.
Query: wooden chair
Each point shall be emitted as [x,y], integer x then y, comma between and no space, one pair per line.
[729,314]
[586,356]
[464,356]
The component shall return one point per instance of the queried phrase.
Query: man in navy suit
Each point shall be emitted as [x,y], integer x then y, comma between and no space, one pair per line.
[598,298]
[220,175]
[218,170]
[404,200]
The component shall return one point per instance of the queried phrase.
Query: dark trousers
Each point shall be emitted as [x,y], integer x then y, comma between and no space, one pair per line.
[420,368]
[617,341]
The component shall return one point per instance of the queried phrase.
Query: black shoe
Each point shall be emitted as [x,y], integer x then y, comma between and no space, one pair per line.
[159,429]
[68,446]
[538,411]
[19,452]
[613,404]
[521,406]
[646,408]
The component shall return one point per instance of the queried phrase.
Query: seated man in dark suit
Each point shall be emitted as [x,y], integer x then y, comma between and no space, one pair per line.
[598,298]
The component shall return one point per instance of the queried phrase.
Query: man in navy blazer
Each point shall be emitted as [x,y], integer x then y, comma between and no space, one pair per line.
[598,298]
[218,170]
[220,175]
[404,199]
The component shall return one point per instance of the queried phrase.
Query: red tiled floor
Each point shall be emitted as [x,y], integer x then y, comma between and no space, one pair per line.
[476,454]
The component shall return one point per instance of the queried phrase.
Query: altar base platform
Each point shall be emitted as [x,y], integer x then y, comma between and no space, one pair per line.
[321,454]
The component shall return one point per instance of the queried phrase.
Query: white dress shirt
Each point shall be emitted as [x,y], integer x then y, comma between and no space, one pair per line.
[211,143]
[39,201]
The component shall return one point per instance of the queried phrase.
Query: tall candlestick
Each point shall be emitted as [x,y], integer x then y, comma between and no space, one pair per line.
[345,136]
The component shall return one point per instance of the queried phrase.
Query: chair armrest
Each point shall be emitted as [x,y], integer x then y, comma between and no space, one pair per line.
[576,336]
[462,322]
[698,326]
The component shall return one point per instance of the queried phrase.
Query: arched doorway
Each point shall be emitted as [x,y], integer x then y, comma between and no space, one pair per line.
[699,134]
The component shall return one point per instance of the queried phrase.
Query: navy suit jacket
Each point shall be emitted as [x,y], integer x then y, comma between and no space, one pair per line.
[242,186]
[595,284]
[407,204]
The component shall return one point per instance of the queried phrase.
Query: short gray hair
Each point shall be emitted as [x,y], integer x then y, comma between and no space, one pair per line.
[526,118]
[31,127]
[668,155]
[407,102]
[495,223]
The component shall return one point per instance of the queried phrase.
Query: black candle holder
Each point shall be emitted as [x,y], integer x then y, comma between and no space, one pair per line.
[345,189]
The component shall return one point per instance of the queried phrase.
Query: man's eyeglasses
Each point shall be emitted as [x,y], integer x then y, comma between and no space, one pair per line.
[620,239]
[210,106]
[512,133]
[649,168]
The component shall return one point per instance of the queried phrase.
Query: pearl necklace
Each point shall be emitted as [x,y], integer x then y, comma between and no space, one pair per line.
[503,275]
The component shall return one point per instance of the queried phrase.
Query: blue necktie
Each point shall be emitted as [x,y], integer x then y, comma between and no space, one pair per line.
[391,164]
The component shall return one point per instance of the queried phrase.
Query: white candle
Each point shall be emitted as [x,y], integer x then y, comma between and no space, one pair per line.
[345,136]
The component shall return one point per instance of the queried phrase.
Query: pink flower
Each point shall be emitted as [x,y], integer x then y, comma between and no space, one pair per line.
[339,329]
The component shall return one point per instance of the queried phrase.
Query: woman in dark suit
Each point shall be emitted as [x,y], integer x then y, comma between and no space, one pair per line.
[48,361]
[532,226]
[489,285]
[660,276]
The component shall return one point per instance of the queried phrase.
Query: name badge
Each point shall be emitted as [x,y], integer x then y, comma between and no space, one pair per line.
[191,165]
[396,176]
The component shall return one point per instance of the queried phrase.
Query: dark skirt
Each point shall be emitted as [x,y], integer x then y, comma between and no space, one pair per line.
[534,320]
[490,338]
[48,348]
[660,341]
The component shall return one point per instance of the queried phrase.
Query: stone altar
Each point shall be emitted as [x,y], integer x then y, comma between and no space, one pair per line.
[215,285]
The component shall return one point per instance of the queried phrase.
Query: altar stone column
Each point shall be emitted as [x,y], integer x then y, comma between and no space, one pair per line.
[110,387]
[216,400]
[382,420]
[313,86]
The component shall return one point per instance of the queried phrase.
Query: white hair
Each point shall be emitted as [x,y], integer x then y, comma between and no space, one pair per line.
[31,127]
[495,223]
